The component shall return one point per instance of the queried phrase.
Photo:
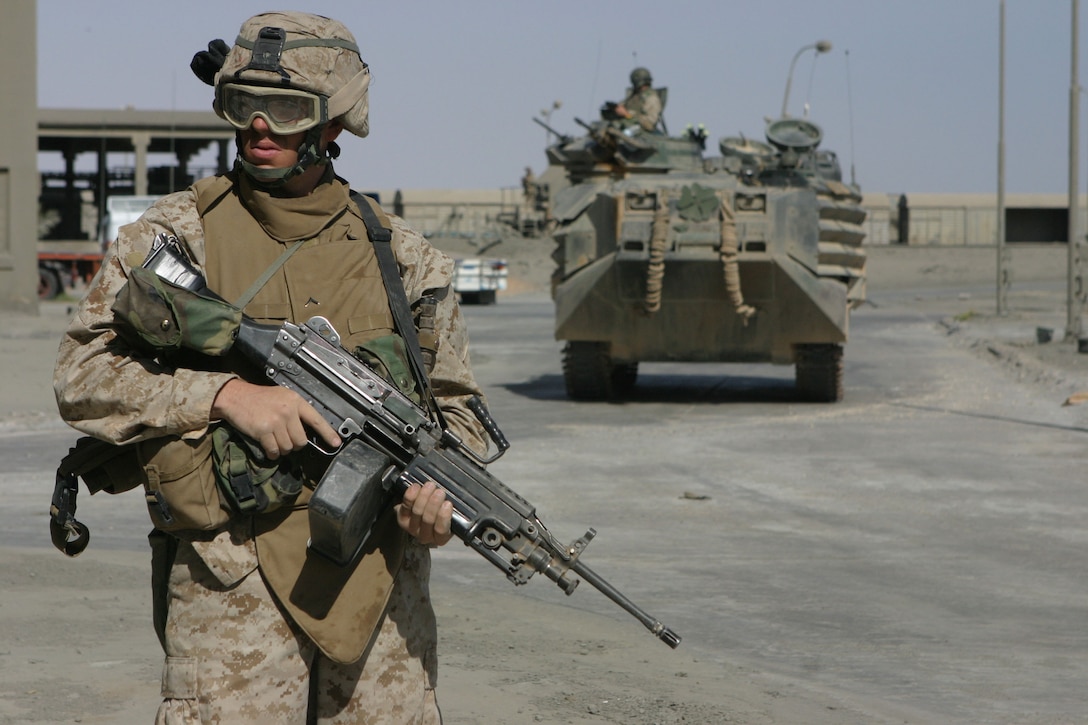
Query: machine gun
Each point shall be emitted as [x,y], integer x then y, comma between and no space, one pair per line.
[615,143]
[393,444]
[390,443]
[563,138]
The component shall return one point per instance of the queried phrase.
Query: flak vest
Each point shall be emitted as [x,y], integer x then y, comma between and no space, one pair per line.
[334,274]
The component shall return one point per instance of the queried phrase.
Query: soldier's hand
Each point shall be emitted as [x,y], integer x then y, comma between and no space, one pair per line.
[275,417]
[425,513]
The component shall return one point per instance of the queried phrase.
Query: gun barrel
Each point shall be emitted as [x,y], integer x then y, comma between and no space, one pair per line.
[563,138]
[659,630]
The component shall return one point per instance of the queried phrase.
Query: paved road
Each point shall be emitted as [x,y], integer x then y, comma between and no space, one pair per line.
[916,551]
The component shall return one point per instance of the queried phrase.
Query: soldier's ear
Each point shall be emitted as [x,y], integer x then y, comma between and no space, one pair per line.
[332,131]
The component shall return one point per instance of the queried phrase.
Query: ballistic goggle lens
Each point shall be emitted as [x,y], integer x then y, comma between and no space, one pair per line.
[285,110]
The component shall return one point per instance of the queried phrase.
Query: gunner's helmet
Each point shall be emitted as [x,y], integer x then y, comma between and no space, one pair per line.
[640,77]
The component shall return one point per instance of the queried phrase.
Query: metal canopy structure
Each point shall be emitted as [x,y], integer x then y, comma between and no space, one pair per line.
[72,132]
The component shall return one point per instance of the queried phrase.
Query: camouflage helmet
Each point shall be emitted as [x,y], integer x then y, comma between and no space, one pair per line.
[304,52]
[640,77]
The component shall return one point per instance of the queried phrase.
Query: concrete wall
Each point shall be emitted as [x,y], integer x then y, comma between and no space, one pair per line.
[971,219]
[947,220]
[18,157]
[455,212]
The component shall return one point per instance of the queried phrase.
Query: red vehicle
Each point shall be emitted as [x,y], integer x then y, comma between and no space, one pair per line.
[63,263]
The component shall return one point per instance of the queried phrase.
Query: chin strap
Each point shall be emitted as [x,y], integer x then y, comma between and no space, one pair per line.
[309,154]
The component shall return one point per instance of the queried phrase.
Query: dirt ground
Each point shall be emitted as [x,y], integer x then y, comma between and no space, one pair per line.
[76,643]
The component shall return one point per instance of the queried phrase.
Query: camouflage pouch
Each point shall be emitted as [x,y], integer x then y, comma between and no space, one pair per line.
[250,482]
[167,317]
[388,356]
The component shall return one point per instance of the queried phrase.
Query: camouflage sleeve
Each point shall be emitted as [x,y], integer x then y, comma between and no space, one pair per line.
[106,388]
[424,269]
[651,111]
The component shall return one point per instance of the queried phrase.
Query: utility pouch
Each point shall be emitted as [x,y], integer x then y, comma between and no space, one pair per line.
[166,317]
[180,484]
[388,356]
[249,482]
[425,310]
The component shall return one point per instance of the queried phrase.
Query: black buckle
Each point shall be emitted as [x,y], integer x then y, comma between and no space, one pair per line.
[68,535]
[267,50]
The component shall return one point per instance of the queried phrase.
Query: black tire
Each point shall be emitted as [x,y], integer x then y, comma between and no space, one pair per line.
[486,297]
[587,370]
[819,373]
[590,374]
[624,376]
[49,285]
[470,298]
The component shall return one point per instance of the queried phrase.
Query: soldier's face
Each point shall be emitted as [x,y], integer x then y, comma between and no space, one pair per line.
[265,149]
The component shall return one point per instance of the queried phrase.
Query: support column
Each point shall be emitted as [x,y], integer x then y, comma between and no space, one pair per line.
[140,143]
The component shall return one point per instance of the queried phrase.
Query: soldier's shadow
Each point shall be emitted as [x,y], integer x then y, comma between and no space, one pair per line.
[713,389]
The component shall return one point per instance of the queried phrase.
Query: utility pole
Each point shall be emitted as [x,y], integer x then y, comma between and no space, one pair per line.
[1002,250]
[1074,287]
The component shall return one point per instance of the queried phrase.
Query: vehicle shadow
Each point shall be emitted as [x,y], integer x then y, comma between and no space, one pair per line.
[673,388]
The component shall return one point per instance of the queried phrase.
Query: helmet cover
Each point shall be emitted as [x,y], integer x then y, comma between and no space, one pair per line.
[305,52]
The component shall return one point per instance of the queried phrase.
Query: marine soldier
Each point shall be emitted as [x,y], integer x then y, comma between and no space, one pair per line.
[642,104]
[256,628]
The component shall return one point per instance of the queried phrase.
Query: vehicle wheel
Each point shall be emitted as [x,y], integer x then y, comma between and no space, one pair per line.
[624,376]
[48,284]
[486,297]
[819,373]
[587,370]
[470,298]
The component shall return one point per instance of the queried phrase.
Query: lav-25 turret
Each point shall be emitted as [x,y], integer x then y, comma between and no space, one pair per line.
[663,254]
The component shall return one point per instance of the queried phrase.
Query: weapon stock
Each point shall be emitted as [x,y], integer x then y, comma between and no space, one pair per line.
[392,444]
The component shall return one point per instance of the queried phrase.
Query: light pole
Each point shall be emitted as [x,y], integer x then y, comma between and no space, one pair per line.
[1074,293]
[1002,250]
[821,46]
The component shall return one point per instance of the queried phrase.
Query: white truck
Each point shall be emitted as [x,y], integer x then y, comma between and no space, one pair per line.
[121,210]
[477,279]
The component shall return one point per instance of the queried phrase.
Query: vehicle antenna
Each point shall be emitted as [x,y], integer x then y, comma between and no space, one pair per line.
[850,112]
[596,73]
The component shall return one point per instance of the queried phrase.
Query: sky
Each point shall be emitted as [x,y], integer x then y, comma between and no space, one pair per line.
[907,97]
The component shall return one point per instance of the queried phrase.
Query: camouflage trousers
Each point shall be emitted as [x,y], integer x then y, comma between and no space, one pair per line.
[233,657]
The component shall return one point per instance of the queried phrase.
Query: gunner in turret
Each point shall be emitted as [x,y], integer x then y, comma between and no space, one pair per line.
[642,104]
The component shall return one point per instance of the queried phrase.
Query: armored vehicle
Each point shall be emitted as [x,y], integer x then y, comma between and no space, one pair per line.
[666,254]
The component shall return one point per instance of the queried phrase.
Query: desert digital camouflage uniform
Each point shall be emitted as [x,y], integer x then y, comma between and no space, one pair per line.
[255,628]
[226,633]
[232,654]
[645,108]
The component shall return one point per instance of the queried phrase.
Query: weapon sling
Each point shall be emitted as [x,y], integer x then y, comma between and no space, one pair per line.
[382,239]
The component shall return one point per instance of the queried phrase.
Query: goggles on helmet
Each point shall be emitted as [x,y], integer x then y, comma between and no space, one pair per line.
[285,110]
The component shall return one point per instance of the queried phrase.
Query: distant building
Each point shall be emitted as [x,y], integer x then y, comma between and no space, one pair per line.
[72,202]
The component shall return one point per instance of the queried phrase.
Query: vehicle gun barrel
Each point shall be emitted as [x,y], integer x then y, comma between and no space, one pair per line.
[563,138]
